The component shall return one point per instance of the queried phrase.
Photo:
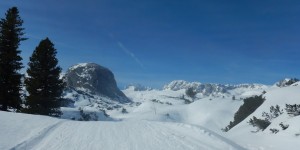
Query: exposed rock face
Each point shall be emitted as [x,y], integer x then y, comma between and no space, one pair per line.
[95,79]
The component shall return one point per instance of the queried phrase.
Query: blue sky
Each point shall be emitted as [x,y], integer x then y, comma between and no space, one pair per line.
[155,42]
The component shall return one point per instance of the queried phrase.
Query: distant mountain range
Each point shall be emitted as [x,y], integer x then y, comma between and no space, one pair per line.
[212,89]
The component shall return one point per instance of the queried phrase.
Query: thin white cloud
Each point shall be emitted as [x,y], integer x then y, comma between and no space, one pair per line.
[124,49]
[128,52]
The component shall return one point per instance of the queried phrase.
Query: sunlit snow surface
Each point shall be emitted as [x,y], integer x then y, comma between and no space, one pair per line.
[20,131]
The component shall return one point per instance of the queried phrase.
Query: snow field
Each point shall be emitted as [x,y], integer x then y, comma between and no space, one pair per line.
[57,134]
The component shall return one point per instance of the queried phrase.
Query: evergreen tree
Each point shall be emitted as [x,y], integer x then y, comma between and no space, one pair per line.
[249,106]
[11,33]
[43,83]
[190,92]
[261,124]
[233,97]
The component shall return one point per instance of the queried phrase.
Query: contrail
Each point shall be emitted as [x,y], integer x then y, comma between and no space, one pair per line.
[127,51]
[130,54]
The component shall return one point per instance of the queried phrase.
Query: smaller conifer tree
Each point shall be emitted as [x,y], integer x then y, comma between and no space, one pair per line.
[43,83]
[190,92]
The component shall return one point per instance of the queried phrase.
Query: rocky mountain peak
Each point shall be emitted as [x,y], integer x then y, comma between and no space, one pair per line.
[94,79]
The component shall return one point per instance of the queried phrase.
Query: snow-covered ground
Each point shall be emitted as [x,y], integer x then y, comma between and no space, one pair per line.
[158,119]
[33,132]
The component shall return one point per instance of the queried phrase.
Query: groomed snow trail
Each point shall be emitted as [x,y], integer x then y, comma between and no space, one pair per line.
[125,135]
[32,141]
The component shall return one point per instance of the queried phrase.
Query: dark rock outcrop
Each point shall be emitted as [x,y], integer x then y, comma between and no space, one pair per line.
[94,79]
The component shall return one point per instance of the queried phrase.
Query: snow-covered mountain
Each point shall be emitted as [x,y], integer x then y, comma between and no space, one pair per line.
[211,89]
[91,91]
[94,79]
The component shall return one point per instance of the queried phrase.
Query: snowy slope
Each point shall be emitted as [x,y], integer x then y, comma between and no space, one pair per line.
[40,132]
[205,111]
[284,139]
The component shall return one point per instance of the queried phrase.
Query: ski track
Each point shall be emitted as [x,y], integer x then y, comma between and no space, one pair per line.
[29,144]
[201,130]
[212,133]
[127,135]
